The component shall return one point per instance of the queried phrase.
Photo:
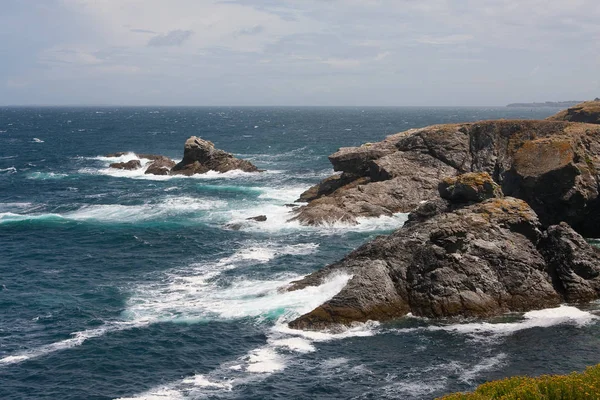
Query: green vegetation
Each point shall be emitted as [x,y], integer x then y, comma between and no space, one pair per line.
[575,386]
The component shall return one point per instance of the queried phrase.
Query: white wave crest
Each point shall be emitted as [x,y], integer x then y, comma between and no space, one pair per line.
[77,340]
[168,207]
[46,175]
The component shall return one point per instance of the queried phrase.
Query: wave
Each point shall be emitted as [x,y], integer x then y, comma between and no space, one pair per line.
[117,213]
[489,331]
[46,175]
[9,170]
[140,173]
[77,340]
[188,295]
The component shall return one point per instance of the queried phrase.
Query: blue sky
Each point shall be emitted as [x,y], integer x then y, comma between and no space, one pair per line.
[298,52]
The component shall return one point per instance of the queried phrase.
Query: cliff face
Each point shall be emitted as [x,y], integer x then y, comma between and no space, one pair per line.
[588,112]
[552,165]
[479,254]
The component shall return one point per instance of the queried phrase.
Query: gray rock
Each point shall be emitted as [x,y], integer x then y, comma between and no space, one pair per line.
[129,165]
[478,260]
[552,165]
[201,156]
[160,166]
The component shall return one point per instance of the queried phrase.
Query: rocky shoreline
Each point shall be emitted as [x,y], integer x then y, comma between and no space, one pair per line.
[497,213]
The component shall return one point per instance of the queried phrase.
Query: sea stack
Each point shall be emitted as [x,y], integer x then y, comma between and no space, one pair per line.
[201,156]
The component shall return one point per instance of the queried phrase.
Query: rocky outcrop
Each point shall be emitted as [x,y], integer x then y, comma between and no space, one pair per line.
[552,165]
[473,259]
[201,156]
[470,187]
[129,165]
[160,166]
[588,112]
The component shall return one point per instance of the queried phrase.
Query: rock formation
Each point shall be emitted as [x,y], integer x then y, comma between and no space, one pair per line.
[130,165]
[552,165]
[477,255]
[200,156]
[588,112]
[160,166]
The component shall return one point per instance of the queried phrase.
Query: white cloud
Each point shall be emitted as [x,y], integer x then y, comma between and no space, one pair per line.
[283,52]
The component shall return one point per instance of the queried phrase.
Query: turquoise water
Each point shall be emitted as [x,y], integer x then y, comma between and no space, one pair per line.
[114,284]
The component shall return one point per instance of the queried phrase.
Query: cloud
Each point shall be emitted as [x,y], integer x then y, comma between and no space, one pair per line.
[445,40]
[142,31]
[255,30]
[171,38]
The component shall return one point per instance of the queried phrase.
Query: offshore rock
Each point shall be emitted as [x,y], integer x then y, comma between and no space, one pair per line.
[201,156]
[477,260]
[129,165]
[552,165]
[588,112]
[160,166]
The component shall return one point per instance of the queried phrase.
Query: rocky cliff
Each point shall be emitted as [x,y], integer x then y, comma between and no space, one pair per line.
[476,254]
[588,112]
[552,165]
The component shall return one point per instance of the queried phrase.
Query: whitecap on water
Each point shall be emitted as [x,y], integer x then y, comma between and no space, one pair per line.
[486,331]
[118,213]
[46,175]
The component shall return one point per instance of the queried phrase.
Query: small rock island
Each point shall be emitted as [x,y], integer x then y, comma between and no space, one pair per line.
[199,157]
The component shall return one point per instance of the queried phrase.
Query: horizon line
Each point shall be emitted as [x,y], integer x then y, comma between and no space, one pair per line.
[265,106]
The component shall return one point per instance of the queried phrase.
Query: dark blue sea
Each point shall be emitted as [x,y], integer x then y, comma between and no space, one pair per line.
[114,284]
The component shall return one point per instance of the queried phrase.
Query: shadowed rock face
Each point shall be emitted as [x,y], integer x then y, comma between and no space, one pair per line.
[588,112]
[551,165]
[130,165]
[200,156]
[160,166]
[460,259]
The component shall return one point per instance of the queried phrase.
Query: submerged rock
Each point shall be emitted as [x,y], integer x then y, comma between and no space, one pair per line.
[129,165]
[201,156]
[474,260]
[258,218]
[588,112]
[552,165]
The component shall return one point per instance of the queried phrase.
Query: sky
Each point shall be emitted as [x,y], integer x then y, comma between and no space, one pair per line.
[298,52]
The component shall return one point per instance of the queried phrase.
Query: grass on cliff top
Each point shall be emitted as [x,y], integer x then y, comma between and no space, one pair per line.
[575,386]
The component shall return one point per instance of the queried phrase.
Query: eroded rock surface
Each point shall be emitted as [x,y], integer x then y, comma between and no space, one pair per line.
[201,156]
[552,165]
[460,259]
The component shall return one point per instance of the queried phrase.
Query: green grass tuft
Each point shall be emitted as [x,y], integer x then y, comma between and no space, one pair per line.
[575,386]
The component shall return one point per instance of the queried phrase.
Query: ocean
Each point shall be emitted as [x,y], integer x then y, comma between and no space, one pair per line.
[120,285]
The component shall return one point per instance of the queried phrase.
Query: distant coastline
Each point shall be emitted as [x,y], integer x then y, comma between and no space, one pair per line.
[564,104]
